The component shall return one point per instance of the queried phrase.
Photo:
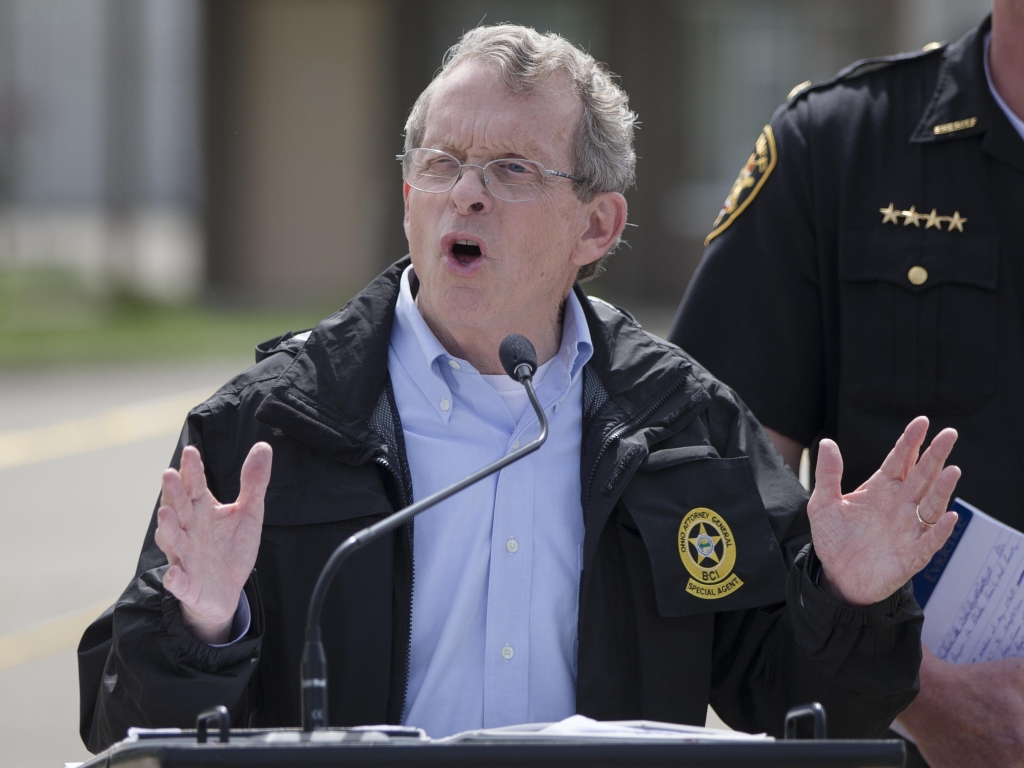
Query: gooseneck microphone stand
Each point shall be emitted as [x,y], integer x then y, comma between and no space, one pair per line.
[519,359]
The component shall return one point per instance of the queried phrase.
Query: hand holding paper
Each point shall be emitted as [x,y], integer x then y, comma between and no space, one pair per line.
[871,542]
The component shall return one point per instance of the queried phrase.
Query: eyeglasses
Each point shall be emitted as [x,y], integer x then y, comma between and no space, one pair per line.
[511,179]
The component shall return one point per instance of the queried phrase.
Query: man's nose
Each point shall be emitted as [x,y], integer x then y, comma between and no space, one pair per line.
[470,193]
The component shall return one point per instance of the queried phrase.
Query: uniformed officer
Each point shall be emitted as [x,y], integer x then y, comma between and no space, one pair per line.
[870,256]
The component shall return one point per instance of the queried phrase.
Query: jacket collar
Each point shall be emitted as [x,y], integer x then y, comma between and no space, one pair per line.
[961,105]
[326,396]
[637,369]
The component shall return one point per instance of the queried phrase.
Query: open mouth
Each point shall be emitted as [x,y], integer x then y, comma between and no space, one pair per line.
[463,248]
[465,251]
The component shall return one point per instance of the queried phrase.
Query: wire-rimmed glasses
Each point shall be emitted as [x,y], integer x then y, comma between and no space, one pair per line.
[511,179]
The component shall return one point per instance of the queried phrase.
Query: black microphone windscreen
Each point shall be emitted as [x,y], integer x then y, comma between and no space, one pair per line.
[514,351]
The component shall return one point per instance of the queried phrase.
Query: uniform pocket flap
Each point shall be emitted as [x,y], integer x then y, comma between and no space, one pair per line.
[671,456]
[917,259]
[707,536]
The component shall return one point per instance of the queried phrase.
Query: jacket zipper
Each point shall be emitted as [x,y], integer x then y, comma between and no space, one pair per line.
[629,425]
[382,461]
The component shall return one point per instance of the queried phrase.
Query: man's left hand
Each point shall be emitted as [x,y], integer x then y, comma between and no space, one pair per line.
[870,542]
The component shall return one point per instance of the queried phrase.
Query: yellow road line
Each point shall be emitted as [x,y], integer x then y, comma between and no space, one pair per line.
[120,426]
[48,638]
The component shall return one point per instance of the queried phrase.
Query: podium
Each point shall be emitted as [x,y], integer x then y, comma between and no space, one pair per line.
[388,749]
[528,746]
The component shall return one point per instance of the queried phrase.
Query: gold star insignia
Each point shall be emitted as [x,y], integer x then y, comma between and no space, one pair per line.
[955,221]
[889,214]
[912,217]
[934,220]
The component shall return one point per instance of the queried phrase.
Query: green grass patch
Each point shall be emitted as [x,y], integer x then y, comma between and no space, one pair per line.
[50,319]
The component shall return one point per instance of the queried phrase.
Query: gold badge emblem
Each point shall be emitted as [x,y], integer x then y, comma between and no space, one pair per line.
[752,177]
[956,125]
[708,550]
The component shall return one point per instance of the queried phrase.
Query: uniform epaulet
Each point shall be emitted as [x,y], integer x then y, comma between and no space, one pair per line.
[290,343]
[863,67]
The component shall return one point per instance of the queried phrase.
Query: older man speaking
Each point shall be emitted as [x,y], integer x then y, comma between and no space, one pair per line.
[648,559]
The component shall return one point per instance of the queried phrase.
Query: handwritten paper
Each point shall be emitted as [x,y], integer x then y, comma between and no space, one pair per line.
[972,591]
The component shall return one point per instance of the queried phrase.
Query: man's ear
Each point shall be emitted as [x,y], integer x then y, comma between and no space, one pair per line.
[405,202]
[606,218]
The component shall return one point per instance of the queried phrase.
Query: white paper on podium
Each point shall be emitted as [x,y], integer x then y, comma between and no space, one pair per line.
[579,727]
[972,591]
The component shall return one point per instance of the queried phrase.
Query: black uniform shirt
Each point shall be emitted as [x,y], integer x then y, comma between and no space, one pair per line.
[868,267]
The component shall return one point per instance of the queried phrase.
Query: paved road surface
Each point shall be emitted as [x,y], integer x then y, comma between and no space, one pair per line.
[79,472]
[81,454]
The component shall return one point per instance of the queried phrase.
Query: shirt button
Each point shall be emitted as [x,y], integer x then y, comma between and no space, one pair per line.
[445,404]
[515,446]
[512,546]
[917,275]
[454,365]
[507,653]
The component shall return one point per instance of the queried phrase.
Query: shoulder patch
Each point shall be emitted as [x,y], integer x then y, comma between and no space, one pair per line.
[752,177]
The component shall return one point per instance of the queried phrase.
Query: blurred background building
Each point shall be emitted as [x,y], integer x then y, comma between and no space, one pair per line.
[242,151]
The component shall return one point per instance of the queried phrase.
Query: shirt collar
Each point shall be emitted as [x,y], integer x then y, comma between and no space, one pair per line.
[577,346]
[419,351]
[411,336]
[1015,121]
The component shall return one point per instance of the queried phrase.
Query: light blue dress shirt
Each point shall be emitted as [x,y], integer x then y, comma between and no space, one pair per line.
[496,567]
[1014,119]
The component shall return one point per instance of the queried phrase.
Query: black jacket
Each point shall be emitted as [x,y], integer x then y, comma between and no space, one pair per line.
[866,316]
[661,438]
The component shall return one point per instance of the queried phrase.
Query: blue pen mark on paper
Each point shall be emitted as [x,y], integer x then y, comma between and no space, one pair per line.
[926,579]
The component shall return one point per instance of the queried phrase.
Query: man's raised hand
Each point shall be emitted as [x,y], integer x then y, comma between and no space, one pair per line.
[211,547]
[870,541]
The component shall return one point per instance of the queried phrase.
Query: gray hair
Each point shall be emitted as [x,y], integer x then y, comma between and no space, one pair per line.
[602,148]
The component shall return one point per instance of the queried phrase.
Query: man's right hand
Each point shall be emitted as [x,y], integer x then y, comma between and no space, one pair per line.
[211,547]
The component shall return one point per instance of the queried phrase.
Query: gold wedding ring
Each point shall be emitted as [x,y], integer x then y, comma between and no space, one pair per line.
[921,520]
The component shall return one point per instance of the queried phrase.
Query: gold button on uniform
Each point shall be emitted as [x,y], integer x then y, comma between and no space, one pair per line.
[917,275]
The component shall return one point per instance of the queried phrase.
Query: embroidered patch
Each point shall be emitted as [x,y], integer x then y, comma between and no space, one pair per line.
[708,550]
[752,177]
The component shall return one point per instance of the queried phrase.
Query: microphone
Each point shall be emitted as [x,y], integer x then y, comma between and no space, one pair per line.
[519,359]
